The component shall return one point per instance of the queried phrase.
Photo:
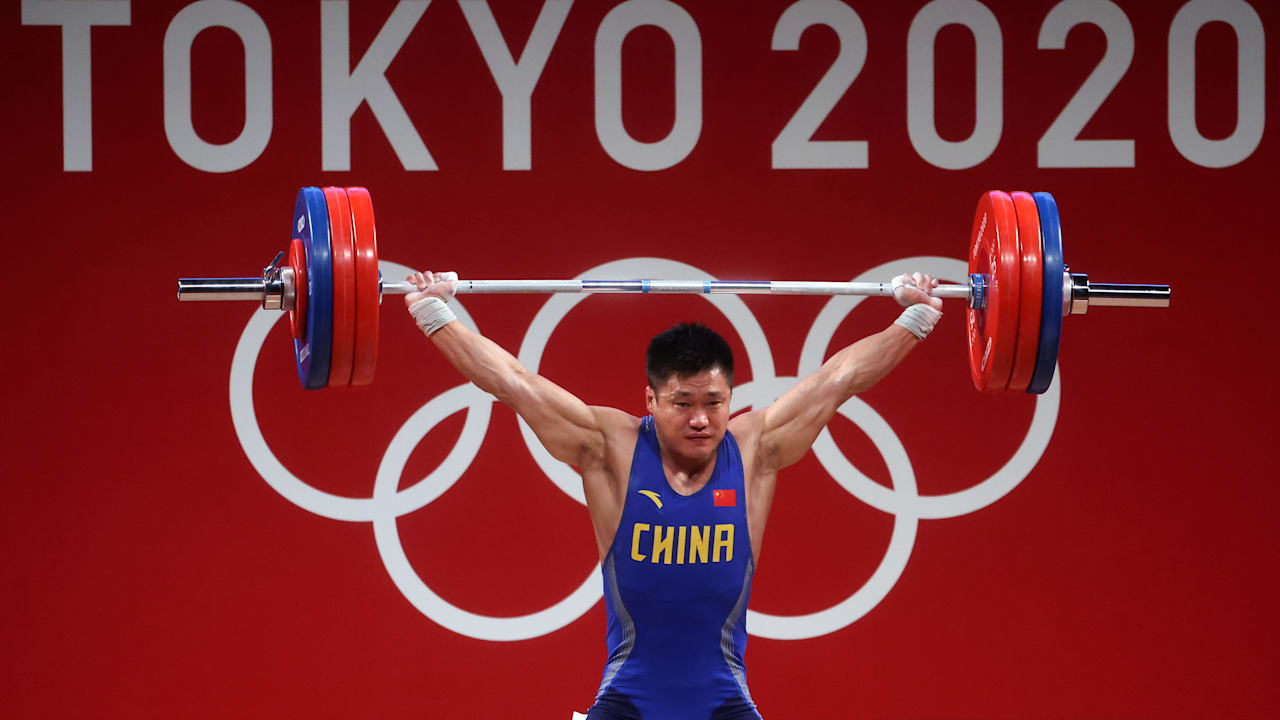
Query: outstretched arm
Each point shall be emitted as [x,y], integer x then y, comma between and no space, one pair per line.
[787,428]
[571,431]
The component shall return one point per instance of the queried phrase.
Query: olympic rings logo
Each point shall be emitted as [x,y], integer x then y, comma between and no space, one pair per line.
[389,503]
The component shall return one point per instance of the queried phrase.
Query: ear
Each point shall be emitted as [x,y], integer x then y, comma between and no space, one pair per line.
[650,400]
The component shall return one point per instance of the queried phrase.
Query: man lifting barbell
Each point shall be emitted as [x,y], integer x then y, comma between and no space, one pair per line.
[678,499]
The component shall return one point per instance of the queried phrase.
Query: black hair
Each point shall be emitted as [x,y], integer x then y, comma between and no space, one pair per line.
[686,349]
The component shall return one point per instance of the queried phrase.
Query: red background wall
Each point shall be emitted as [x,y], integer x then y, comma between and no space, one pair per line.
[150,570]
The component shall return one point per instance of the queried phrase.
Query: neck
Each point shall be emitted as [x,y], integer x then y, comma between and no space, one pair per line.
[687,476]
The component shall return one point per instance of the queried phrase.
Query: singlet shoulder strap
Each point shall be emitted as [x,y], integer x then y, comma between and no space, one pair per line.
[646,459]
[730,462]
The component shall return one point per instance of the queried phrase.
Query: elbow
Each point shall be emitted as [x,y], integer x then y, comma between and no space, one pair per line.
[510,387]
[852,378]
[862,381]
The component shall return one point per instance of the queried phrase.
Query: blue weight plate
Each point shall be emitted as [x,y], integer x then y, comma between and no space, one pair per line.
[311,226]
[1051,309]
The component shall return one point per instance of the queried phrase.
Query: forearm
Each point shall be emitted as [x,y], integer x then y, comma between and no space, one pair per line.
[565,425]
[480,360]
[791,424]
[866,362]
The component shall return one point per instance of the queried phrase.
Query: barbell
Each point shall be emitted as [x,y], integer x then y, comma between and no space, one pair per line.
[1018,291]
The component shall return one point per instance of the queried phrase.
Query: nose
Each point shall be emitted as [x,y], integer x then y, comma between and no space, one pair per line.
[698,419]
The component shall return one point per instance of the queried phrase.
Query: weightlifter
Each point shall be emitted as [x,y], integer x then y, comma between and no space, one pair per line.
[678,499]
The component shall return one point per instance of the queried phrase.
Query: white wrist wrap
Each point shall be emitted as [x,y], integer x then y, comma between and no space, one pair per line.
[431,314]
[919,319]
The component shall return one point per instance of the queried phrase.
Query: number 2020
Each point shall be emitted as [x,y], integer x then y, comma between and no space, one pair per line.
[1060,146]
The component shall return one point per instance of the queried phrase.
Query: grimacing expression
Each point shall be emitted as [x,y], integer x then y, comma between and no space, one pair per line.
[691,413]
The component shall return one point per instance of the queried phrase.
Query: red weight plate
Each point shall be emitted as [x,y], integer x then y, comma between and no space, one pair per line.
[344,287]
[993,330]
[1032,285]
[368,291]
[298,315]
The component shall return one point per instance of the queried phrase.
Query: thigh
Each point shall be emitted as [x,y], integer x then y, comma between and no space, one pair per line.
[613,706]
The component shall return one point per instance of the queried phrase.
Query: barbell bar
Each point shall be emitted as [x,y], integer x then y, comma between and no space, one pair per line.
[271,293]
[1017,292]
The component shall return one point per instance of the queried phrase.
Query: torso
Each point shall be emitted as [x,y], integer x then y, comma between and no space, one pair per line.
[606,484]
[677,577]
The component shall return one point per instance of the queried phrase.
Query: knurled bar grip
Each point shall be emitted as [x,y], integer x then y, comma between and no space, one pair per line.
[249,288]
[676,287]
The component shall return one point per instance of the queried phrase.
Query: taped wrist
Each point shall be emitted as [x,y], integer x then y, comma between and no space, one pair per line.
[919,319]
[431,314]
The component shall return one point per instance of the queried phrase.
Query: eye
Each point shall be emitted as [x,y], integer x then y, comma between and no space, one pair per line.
[682,404]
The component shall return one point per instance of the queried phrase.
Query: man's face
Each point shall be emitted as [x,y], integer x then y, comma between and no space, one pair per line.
[690,414]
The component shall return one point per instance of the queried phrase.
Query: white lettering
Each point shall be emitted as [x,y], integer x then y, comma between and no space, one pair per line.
[516,80]
[614,138]
[989,97]
[794,146]
[1059,147]
[342,90]
[1251,108]
[178,128]
[76,20]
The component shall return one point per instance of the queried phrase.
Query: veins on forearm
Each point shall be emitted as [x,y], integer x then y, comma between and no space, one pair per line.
[866,362]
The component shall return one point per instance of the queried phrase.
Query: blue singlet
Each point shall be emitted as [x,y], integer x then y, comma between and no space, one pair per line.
[676,583]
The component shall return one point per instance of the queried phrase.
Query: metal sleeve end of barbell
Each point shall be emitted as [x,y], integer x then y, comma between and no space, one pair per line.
[207,289]
[275,290]
[1084,293]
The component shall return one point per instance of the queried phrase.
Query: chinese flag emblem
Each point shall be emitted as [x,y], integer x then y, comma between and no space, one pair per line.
[725,498]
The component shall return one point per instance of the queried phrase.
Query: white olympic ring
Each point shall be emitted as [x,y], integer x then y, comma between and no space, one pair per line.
[389,503]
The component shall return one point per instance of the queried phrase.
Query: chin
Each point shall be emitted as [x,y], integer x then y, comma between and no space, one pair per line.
[703,449]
